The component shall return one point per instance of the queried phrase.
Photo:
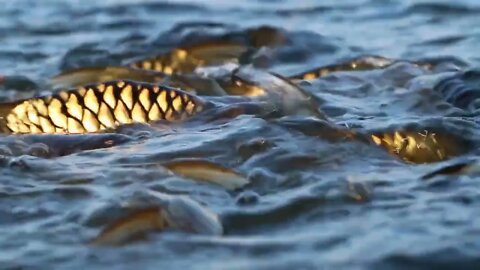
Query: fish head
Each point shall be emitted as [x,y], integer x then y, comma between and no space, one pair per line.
[287,96]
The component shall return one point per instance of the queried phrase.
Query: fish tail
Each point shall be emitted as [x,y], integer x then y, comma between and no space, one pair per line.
[5,109]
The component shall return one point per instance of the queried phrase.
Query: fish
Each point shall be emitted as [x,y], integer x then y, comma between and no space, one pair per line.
[458,168]
[187,59]
[183,60]
[207,171]
[420,147]
[55,145]
[287,97]
[357,64]
[90,75]
[98,107]
[176,212]
[276,91]
[133,225]
[216,50]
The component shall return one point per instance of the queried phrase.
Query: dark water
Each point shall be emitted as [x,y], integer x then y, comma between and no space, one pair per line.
[308,215]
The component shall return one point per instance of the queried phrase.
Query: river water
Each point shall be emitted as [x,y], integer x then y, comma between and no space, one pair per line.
[301,210]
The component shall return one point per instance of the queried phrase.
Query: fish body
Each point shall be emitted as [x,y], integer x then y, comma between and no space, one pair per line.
[357,64]
[97,107]
[203,170]
[90,75]
[420,146]
[186,60]
[169,212]
[263,86]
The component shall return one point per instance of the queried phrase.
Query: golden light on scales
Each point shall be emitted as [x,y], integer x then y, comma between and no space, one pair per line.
[100,106]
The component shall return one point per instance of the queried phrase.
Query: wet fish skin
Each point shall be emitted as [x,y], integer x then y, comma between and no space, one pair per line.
[187,59]
[204,170]
[183,60]
[263,86]
[131,226]
[290,98]
[60,145]
[170,212]
[459,168]
[89,75]
[419,147]
[97,107]
[357,64]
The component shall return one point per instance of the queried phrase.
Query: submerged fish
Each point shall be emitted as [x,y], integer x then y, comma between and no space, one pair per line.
[172,212]
[356,64]
[182,60]
[98,107]
[154,70]
[287,97]
[216,50]
[459,168]
[82,76]
[187,59]
[54,145]
[420,147]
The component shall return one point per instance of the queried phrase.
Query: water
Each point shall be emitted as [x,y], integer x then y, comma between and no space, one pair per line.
[308,214]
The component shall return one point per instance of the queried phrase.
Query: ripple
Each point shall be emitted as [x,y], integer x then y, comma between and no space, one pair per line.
[446,9]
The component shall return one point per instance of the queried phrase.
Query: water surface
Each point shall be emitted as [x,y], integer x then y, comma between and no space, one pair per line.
[307,216]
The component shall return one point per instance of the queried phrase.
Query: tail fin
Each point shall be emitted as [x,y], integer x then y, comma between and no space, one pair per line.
[5,109]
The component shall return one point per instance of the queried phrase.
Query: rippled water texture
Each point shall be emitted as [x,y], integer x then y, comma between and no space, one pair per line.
[313,201]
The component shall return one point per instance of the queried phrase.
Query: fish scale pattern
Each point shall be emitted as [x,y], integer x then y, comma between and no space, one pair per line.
[100,106]
[178,61]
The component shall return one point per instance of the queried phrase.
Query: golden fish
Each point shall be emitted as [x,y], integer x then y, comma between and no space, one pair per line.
[420,147]
[157,69]
[99,106]
[204,170]
[187,59]
[88,75]
[287,97]
[175,212]
[357,64]
[131,226]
